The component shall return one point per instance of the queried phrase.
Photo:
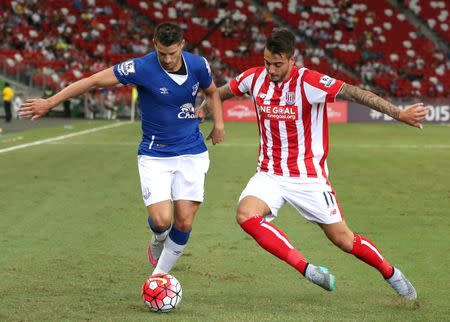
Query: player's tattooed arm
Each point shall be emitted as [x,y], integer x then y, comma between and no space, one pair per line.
[225,92]
[358,95]
[412,115]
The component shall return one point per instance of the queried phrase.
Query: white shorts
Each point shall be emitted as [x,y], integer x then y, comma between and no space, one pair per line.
[174,178]
[317,203]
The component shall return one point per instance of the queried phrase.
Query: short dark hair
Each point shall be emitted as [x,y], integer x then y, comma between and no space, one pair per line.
[168,33]
[281,41]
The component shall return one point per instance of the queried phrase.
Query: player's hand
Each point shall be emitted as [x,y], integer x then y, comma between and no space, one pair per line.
[201,112]
[414,114]
[217,134]
[34,108]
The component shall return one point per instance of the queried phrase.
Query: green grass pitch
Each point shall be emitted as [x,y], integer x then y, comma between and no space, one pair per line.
[73,232]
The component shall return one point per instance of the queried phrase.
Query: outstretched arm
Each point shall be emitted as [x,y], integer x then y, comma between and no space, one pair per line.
[37,107]
[412,115]
[217,134]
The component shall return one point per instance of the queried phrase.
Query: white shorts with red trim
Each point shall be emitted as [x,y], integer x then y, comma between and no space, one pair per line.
[316,202]
[174,178]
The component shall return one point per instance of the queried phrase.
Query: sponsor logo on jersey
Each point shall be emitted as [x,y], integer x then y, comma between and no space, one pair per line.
[195,89]
[187,111]
[164,90]
[276,112]
[126,68]
[262,95]
[290,98]
[327,81]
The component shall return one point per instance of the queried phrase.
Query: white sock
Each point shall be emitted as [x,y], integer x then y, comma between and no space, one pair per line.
[169,256]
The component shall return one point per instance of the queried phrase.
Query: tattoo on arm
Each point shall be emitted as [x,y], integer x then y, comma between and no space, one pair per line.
[358,95]
[225,92]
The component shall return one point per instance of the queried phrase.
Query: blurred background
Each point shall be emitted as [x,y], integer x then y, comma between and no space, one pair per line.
[398,49]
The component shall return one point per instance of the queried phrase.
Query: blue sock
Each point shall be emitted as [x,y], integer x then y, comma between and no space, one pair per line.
[154,229]
[179,237]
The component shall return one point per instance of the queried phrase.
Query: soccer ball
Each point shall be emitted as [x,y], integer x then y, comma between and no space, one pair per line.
[161,292]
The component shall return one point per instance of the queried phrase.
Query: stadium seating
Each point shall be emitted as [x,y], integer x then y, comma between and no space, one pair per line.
[359,32]
[53,42]
[435,14]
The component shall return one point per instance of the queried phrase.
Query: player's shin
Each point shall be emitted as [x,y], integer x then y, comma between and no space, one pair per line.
[173,247]
[366,251]
[274,241]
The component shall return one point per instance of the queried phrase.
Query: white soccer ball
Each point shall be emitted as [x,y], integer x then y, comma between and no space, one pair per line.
[161,293]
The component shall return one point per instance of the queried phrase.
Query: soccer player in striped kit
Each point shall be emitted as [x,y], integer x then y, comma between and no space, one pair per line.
[290,102]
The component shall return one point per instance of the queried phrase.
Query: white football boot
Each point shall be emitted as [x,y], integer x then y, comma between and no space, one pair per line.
[156,246]
[401,285]
[321,276]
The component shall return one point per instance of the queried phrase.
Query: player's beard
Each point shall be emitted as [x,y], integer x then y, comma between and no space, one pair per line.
[278,78]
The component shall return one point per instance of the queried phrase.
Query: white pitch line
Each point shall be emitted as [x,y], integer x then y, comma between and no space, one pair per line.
[97,143]
[62,137]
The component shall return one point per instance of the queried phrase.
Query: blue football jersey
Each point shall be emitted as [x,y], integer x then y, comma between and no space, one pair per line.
[169,125]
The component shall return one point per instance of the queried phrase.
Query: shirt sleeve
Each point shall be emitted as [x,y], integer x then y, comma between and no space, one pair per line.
[205,78]
[128,72]
[242,83]
[320,88]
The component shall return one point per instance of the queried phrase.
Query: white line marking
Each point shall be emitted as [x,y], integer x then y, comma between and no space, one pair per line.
[62,137]
[97,143]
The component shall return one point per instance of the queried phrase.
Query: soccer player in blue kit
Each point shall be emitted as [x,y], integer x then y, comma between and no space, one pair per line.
[172,157]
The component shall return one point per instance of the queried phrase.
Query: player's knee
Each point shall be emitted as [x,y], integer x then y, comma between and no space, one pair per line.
[343,241]
[160,223]
[183,224]
[242,215]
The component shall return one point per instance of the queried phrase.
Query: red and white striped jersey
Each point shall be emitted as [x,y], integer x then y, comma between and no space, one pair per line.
[292,120]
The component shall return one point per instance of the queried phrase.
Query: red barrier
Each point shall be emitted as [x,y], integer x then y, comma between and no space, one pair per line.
[239,111]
